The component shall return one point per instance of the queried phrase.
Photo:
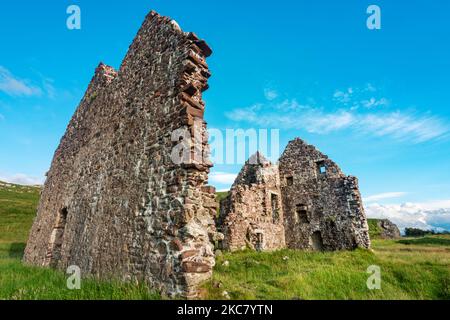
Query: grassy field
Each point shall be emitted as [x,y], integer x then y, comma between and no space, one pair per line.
[410,268]
[17,209]
[374,229]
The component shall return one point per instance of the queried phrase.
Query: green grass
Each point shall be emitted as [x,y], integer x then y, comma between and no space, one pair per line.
[219,197]
[374,229]
[17,209]
[414,271]
[416,268]
[29,283]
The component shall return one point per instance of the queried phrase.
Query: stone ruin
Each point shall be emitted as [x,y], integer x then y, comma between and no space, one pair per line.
[251,216]
[388,230]
[303,202]
[117,205]
[114,203]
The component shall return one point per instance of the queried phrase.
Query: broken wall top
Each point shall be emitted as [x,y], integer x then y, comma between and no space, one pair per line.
[300,157]
[256,170]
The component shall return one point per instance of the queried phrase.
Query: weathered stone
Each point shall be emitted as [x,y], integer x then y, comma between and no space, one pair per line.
[189,253]
[196,267]
[304,202]
[322,206]
[252,215]
[388,229]
[209,189]
[114,202]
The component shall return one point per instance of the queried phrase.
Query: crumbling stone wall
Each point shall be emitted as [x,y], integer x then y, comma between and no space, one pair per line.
[251,216]
[114,202]
[322,207]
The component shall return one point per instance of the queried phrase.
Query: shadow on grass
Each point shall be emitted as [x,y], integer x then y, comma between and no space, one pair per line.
[16,250]
[426,240]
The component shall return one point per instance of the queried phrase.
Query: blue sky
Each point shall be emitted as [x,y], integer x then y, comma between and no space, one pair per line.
[376,101]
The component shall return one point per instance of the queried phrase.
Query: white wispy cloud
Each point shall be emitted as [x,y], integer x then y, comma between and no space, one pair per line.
[49,87]
[23,179]
[222,177]
[435,204]
[270,94]
[403,126]
[430,215]
[374,102]
[14,86]
[355,98]
[370,88]
[343,97]
[289,105]
[289,114]
[386,195]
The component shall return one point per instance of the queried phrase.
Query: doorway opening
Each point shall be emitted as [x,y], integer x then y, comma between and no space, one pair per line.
[301,214]
[56,239]
[275,208]
[259,245]
[317,241]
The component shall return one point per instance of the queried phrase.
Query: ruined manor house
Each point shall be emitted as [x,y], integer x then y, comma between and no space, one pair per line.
[303,202]
[116,205]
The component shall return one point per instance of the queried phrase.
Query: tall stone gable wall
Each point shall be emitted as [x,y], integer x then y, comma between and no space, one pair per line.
[322,207]
[114,202]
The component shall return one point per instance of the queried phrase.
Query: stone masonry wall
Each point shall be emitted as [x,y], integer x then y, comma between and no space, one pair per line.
[114,202]
[388,229]
[251,216]
[322,207]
